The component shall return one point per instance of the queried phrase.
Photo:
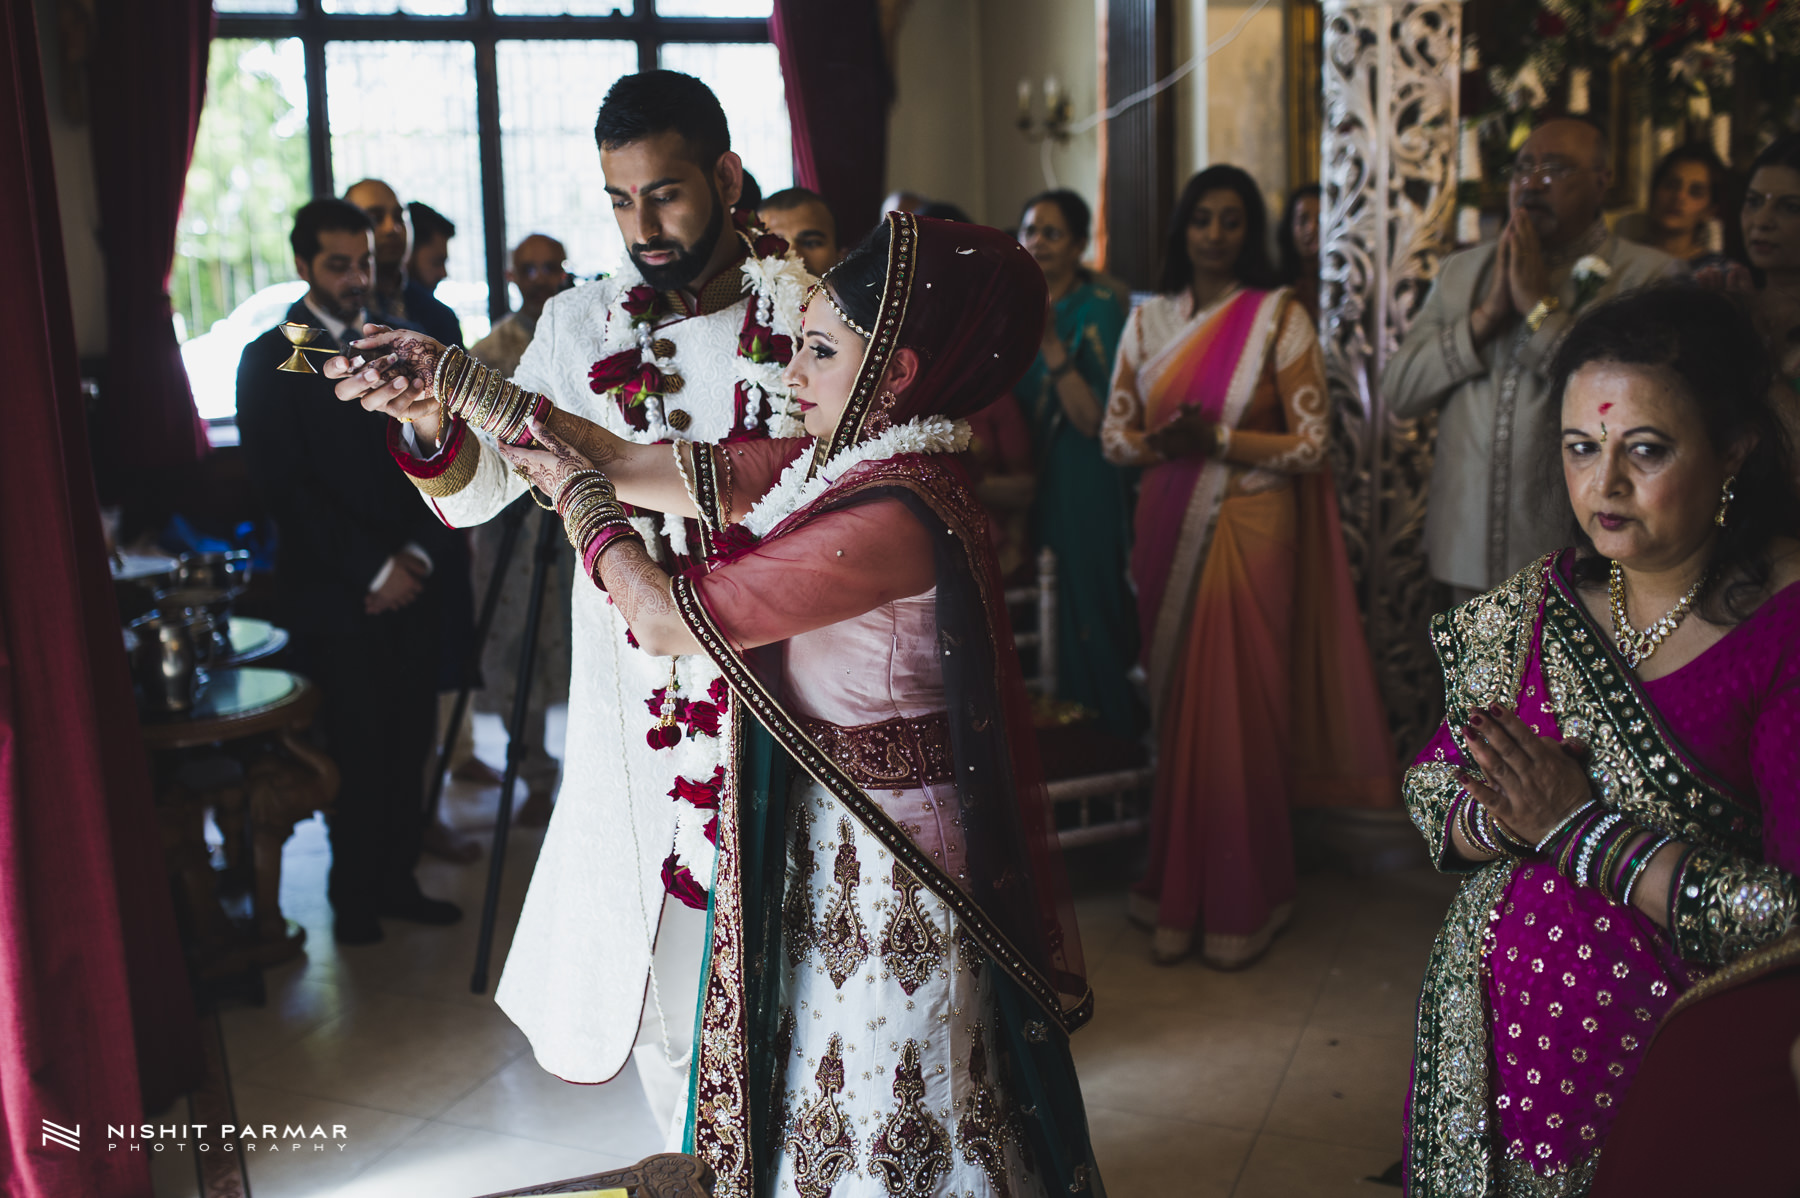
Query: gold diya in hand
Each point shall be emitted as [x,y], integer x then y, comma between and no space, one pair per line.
[302,336]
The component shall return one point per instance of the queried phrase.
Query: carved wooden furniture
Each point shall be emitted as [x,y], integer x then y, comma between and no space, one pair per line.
[239,756]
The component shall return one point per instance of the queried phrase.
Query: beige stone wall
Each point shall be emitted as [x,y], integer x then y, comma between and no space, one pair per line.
[952,135]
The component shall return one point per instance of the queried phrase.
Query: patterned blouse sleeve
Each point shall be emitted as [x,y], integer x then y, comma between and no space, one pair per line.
[1431,789]
[1723,906]
[1300,381]
[1122,431]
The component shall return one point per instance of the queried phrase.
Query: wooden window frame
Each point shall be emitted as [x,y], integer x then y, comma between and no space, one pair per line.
[483,28]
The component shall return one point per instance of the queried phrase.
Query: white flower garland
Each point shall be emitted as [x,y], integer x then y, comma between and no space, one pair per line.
[794,490]
[778,283]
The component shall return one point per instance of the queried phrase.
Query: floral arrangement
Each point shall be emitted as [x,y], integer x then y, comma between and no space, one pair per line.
[1682,51]
[1680,62]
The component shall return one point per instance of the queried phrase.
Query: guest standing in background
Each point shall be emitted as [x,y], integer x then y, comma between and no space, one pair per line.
[1082,509]
[538,272]
[1298,240]
[428,264]
[1479,353]
[803,219]
[359,579]
[396,299]
[1688,192]
[999,462]
[1601,883]
[1260,679]
[1771,224]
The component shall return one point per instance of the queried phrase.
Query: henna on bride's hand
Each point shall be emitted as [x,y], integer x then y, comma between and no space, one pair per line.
[593,442]
[638,586]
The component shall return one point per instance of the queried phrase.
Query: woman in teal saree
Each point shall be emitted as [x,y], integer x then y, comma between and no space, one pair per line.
[1616,774]
[1082,506]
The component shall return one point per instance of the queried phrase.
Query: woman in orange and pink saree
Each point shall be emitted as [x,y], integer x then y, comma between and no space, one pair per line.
[1259,675]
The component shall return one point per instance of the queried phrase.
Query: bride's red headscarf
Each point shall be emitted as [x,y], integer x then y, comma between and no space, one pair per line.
[969,300]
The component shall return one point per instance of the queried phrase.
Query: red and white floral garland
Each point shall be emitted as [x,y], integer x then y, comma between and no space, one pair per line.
[636,377]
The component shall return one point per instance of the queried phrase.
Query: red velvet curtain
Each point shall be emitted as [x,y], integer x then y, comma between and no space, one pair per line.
[835,72]
[148,82]
[94,1000]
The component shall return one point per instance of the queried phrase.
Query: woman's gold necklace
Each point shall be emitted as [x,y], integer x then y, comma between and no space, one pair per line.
[1635,646]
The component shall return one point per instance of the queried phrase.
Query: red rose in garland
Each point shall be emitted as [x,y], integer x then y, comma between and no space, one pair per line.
[704,795]
[679,881]
[702,719]
[640,302]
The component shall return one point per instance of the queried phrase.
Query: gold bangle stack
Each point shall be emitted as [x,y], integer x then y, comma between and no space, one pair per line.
[589,505]
[483,397]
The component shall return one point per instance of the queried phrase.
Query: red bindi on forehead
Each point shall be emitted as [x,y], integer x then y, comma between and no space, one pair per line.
[1605,408]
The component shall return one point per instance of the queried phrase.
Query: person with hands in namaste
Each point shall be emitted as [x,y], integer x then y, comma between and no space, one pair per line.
[1616,775]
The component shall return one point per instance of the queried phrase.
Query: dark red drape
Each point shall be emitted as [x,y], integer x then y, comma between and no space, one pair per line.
[148,82]
[93,995]
[835,72]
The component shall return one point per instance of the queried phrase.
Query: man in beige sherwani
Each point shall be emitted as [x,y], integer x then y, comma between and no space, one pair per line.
[1480,351]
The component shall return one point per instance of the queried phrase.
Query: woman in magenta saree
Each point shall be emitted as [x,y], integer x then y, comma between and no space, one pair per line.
[1617,772]
[893,966]
[1259,674]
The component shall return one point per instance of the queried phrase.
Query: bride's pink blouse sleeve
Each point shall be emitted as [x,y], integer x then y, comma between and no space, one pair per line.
[838,566]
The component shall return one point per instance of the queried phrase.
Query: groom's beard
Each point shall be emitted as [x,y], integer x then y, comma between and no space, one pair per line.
[689,260]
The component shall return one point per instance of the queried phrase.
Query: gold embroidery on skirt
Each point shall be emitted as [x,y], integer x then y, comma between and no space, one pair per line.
[911,948]
[842,940]
[981,1132]
[911,1152]
[820,1144]
[797,932]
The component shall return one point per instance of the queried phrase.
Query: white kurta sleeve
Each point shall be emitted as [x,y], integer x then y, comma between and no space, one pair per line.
[492,485]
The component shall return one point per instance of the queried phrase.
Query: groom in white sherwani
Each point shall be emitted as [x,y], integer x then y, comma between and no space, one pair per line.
[685,342]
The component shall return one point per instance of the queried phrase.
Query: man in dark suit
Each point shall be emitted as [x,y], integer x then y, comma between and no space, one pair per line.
[394,298]
[355,579]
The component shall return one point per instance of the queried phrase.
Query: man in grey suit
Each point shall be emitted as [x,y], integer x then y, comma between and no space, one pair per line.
[1480,351]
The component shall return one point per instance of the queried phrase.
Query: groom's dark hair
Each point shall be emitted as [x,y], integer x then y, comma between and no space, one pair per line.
[653,102]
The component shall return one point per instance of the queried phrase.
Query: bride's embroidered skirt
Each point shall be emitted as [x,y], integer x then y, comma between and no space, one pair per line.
[893,1083]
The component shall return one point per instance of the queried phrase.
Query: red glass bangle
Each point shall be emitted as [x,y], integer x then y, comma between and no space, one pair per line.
[600,542]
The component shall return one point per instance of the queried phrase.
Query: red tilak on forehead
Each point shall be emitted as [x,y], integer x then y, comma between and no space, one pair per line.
[1605,408]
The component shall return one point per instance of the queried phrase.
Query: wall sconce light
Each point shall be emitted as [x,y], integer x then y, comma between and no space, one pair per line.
[1057,109]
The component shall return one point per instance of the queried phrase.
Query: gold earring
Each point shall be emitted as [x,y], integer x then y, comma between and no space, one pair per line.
[1726,495]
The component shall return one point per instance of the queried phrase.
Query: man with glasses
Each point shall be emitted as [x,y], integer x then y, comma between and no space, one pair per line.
[1480,349]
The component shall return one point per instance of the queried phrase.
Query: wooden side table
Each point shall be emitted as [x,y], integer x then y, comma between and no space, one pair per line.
[252,717]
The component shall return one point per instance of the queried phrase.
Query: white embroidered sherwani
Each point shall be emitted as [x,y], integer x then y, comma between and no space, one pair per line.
[1487,516]
[577,978]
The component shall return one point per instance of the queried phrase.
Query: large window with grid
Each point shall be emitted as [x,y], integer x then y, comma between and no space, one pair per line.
[483,109]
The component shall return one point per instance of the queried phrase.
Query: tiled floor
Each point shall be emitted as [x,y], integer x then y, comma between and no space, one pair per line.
[1285,1079]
